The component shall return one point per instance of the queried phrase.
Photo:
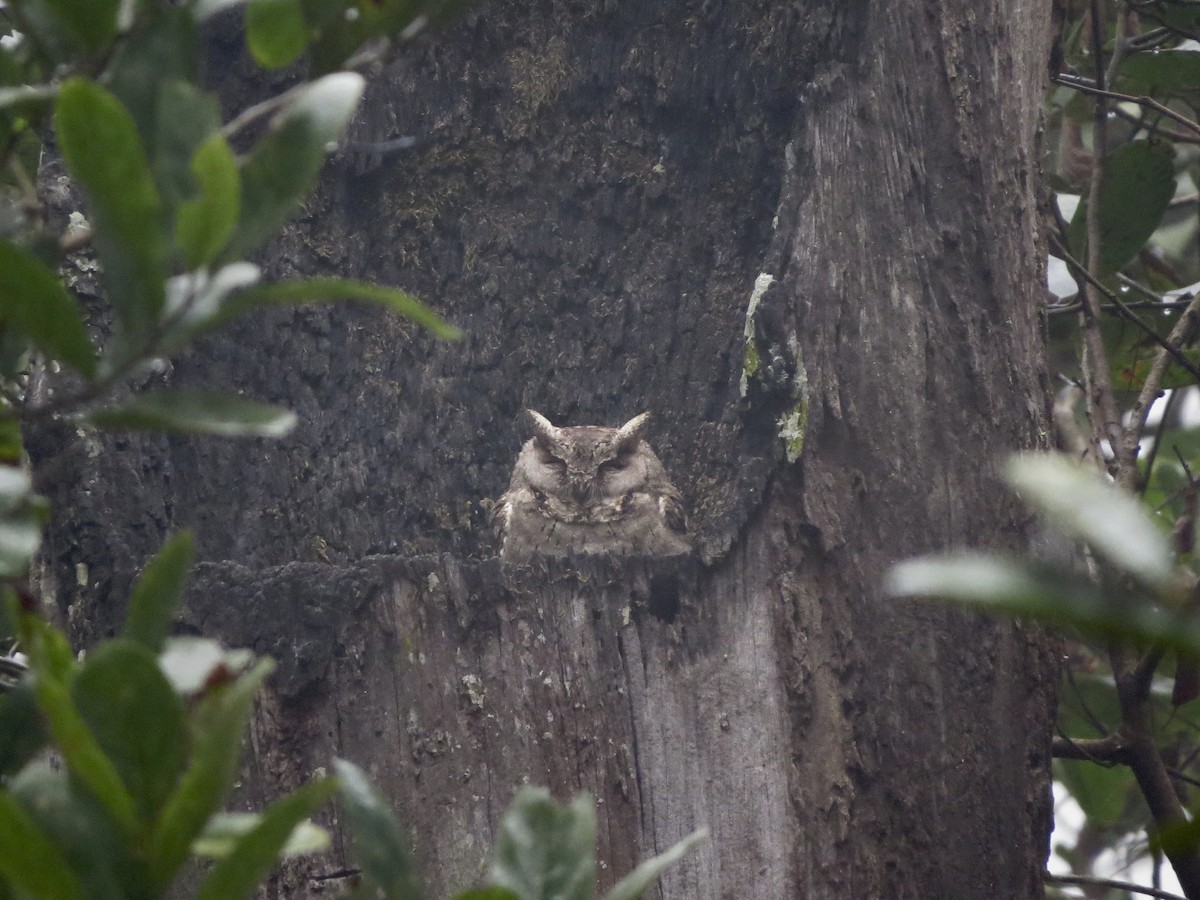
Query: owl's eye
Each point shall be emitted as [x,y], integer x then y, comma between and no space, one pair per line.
[554,462]
[613,465]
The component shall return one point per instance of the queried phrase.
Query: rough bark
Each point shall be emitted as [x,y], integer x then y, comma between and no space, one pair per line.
[595,190]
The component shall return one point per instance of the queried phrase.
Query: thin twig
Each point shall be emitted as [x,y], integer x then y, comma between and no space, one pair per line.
[1107,751]
[1125,309]
[1101,399]
[1085,87]
[1152,456]
[1172,134]
[1086,880]
[1151,388]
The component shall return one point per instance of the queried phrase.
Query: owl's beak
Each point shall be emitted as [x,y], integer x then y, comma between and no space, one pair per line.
[581,489]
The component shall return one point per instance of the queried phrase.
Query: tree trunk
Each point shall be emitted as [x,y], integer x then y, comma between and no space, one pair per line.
[804,237]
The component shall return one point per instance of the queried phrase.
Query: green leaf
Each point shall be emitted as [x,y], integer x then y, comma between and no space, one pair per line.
[203,225]
[994,585]
[92,25]
[1084,506]
[30,862]
[1088,706]
[158,592]
[197,412]
[285,163]
[217,725]
[81,830]
[1101,791]
[34,301]
[275,31]
[50,654]
[12,448]
[1136,187]
[103,151]
[635,883]
[487,893]
[254,855]
[148,74]
[224,830]
[22,733]
[1170,71]
[187,119]
[137,720]
[315,290]
[544,851]
[82,753]
[379,847]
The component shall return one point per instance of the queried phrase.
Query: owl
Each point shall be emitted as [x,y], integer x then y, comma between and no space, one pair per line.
[589,490]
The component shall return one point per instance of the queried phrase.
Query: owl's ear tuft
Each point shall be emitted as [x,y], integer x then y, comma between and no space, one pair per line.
[543,429]
[631,432]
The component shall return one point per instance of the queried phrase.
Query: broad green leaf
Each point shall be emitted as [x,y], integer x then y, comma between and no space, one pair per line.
[22,732]
[158,592]
[92,25]
[83,755]
[635,883]
[81,830]
[1088,706]
[30,862]
[188,119]
[12,448]
[487,893]
[197,412]
[217,725]
[1059,597]
[275,31]
[316,290]
[1088,508]
[379,847]
[203,225]
[224,830]
[257,852]
[137,720]
[103,151]
[544,851]
[50,655]
[34,301]
[1136,187]
[1101,791]
[1170,71]
[284,165]
[149,69]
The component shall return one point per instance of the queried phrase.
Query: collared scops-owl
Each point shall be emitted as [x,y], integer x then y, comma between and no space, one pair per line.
[589,490]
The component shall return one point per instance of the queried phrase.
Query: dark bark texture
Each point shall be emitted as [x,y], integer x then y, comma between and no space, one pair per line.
[595,191]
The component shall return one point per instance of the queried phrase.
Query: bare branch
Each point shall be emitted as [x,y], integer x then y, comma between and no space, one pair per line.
[1086,880]
[1151,388]
[1086,87]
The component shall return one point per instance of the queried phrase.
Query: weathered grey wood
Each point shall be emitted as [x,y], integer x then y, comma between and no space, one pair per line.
[594,192]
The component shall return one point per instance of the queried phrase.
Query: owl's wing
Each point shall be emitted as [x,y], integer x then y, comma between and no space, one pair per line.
[673,512]
[501,515]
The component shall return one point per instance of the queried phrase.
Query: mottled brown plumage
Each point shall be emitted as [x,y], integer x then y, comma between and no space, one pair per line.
[589,489]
